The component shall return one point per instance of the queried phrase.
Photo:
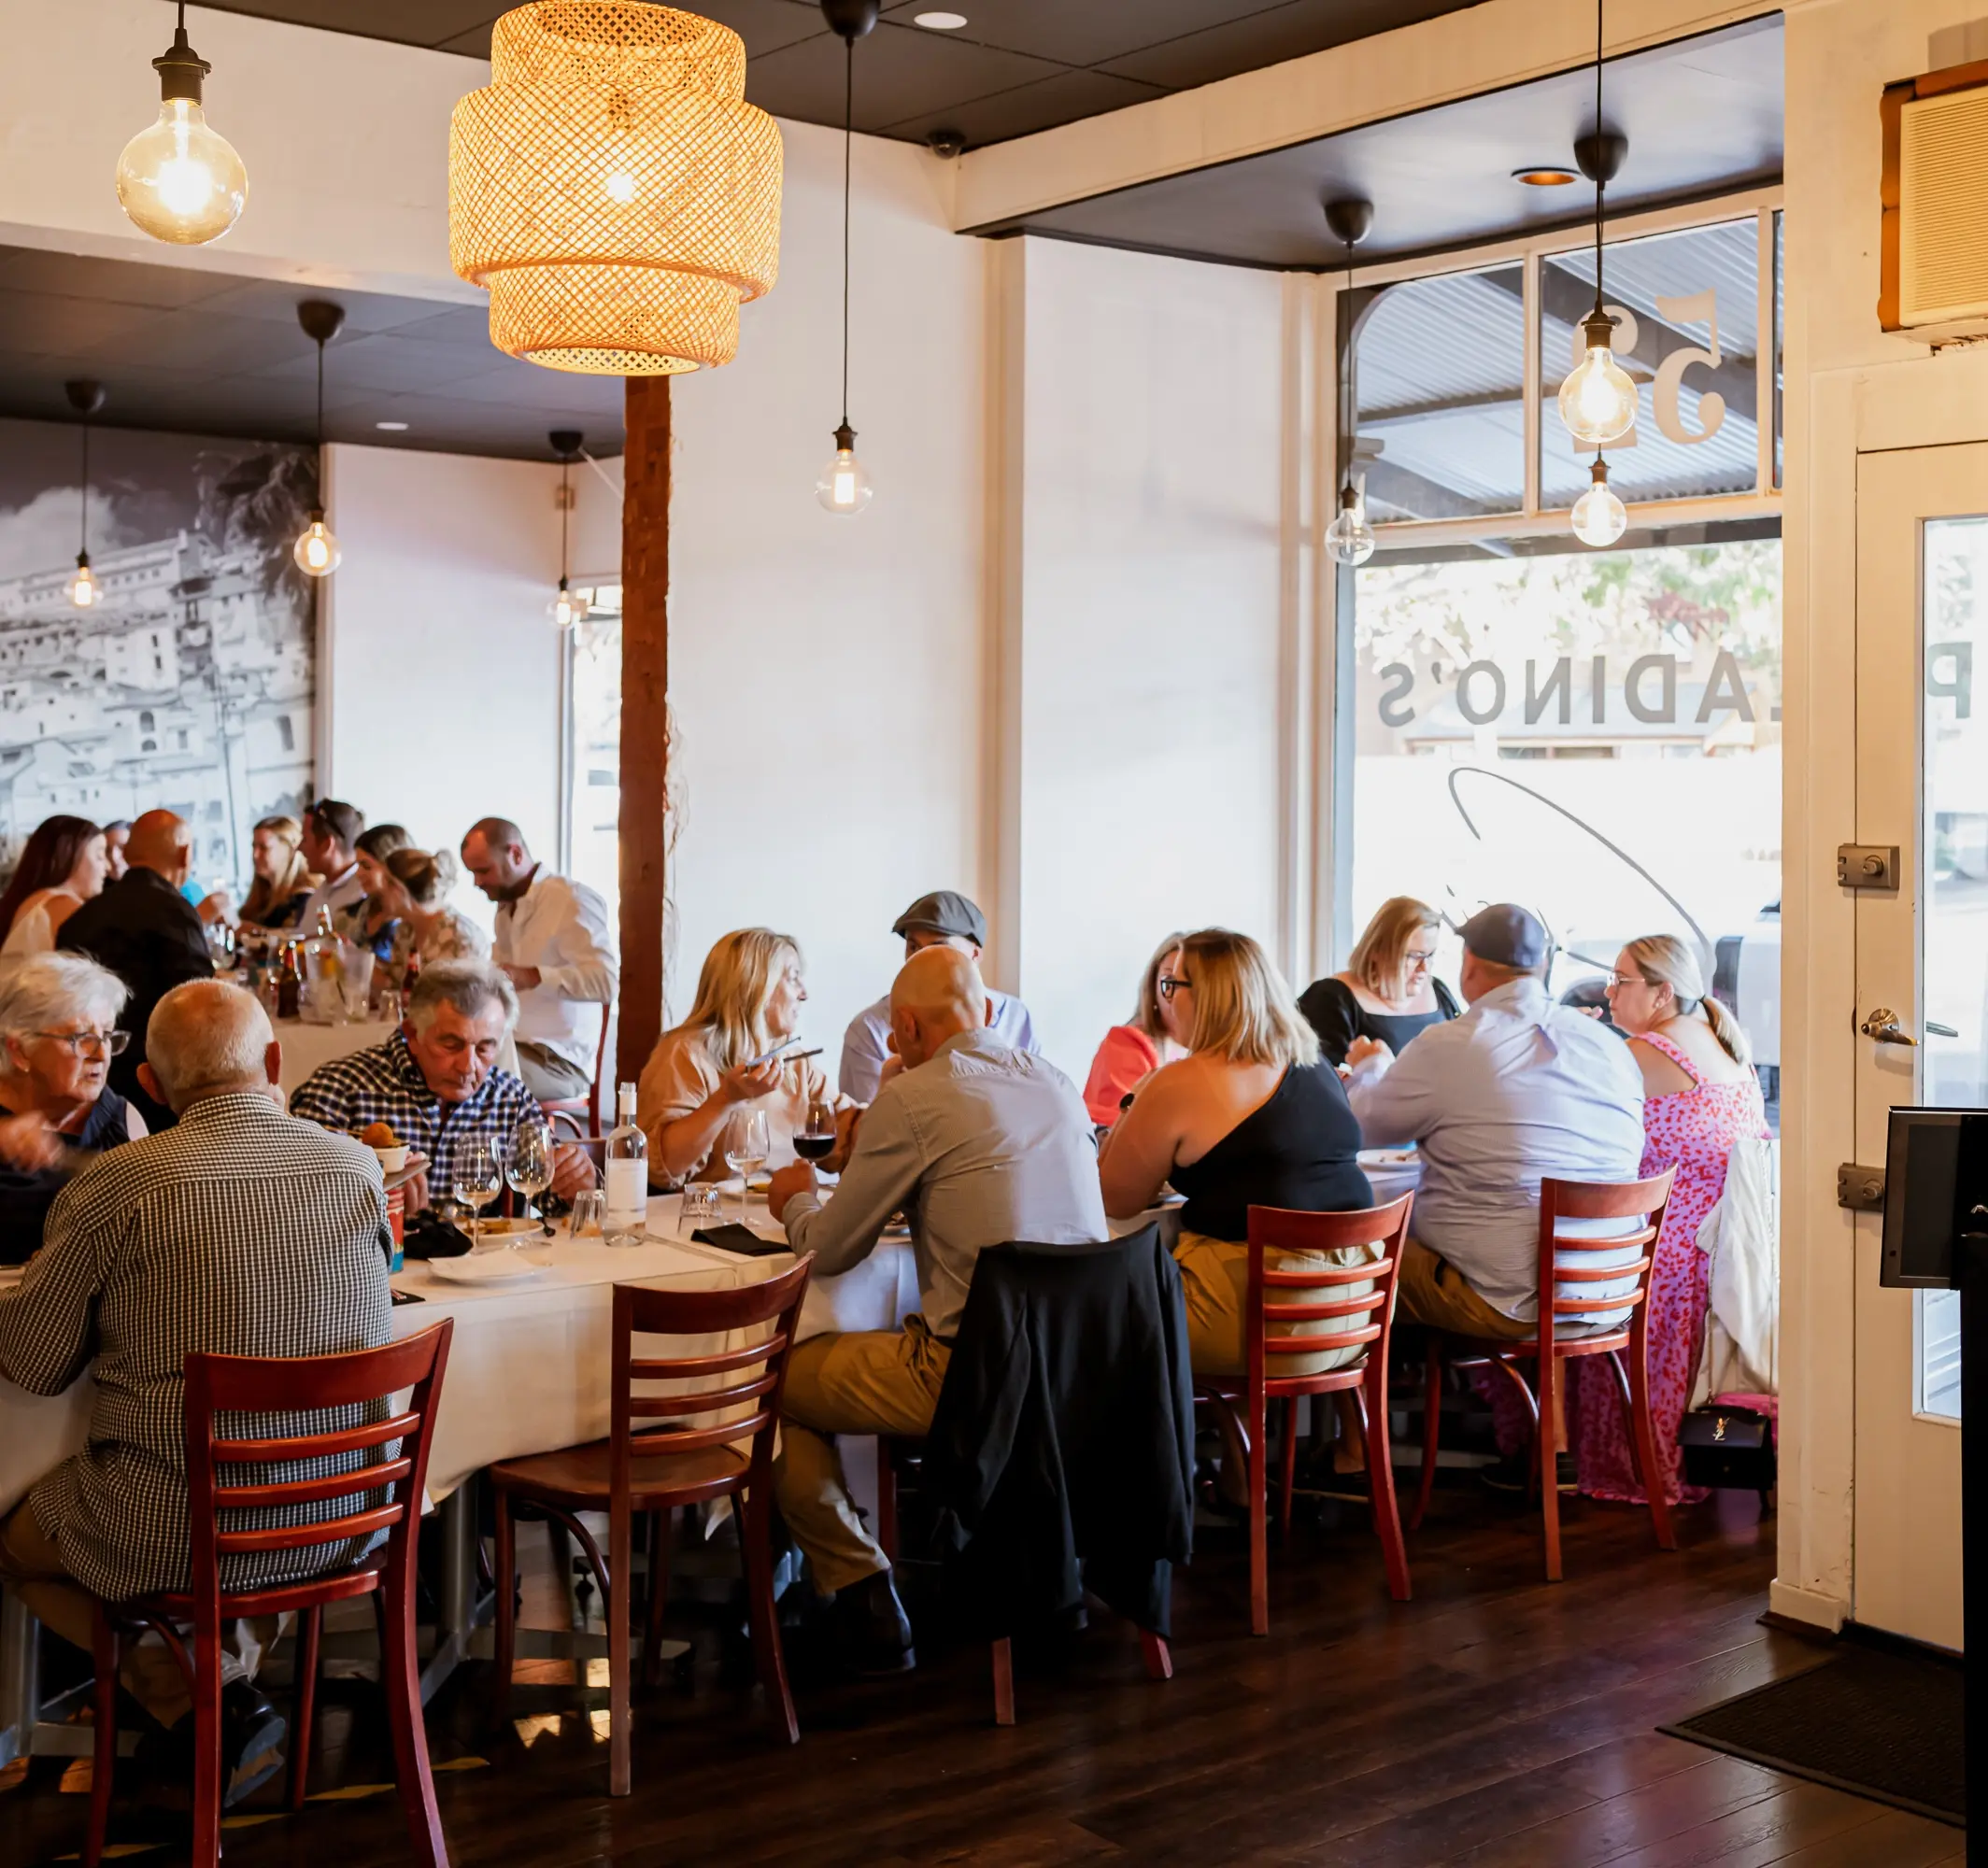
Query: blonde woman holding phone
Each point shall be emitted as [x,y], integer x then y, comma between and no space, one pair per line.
[1387,996]
[731,1054]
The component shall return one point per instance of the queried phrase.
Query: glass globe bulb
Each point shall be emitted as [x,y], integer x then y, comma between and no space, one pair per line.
[180,181]
[85,592]
[317,550]
[1349,539]
[568,607]
[1597,401]
[1600,517]
[843,486]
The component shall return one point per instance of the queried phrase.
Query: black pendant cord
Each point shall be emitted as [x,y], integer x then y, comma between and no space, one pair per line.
[565,510]
[321,405]
[849,122]
[1600,181]
[1346,392]
[82,543]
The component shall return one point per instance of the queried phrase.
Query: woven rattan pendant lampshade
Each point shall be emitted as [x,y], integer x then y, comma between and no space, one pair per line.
[611,189]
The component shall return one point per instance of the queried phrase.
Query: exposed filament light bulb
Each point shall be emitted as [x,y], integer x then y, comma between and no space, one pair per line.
[317,550]
[180,180]
[85,592]
[569,607]
[1597,401]
[844,484]
[1600,517]
[1349,539]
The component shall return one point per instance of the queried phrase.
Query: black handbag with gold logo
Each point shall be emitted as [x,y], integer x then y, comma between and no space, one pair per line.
[1727,1445]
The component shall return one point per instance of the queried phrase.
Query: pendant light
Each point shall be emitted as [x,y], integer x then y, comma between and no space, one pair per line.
[569,606]
[1600,517]
[1597,401]
[843,486]
[179,181]
[85,592]
[1349,539]
[317,550]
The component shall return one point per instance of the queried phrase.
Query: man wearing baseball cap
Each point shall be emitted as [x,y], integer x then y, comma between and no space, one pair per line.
[1518,1088]
[941,919]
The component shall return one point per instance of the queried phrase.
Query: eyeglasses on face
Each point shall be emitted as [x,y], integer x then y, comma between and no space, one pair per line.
[1618,981]
[1419,956]
[111,1043]
[1169,986]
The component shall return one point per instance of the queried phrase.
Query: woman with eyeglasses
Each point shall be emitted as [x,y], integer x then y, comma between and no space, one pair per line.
[58,1033]
[1701,1098]
[1250,1116]
[1387,994]
[1130,1053]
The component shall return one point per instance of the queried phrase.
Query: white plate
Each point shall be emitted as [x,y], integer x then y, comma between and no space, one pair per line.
[1389,1157]
[488,1267]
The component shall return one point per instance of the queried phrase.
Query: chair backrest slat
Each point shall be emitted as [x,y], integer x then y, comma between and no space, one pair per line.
[701,1400]
[303,1387]
[1644,1201]
[1379,1231]
[690,1368]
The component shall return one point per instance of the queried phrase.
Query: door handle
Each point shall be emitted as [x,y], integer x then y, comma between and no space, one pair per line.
[1883,1025]
[1933,1030]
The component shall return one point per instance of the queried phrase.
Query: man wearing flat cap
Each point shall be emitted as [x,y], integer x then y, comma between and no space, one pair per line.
[1518,1088]
[940,919]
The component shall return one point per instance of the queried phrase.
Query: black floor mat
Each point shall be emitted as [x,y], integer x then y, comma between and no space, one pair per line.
[1876,1723]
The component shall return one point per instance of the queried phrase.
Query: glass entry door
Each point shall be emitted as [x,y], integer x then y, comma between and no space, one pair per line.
[1921,999]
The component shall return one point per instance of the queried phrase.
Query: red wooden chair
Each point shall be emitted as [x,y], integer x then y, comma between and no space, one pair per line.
[258,1385]
[588,1105]
[1558,1266]
[656,1471]
[1270,1337]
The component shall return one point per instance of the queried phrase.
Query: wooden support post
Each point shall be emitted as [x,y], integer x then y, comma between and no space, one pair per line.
[644,718]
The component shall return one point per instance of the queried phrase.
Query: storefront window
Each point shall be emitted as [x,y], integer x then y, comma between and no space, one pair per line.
[1595,735]
[593,786]
[1688,333]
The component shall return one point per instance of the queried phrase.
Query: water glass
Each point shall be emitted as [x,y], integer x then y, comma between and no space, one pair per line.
[589,1213]
[391,1009]
[698,1207]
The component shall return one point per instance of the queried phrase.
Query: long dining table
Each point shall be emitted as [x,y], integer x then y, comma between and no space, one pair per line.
[528,1373]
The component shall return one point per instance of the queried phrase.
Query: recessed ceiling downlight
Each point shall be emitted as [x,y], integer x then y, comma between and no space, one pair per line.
[391,427]
[1545,175]
[939,23]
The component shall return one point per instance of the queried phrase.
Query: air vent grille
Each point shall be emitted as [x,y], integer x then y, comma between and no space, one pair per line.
[1943,207]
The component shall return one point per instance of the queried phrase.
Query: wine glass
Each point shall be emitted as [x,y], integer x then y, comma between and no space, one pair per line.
[477,1173]
[815,1140]
[529,1165]
[746,1147]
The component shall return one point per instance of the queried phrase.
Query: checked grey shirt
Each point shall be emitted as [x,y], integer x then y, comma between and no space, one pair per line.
[241,1231]
[980,1145]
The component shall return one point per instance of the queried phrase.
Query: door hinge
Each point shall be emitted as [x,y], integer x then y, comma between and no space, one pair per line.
[1860,1189]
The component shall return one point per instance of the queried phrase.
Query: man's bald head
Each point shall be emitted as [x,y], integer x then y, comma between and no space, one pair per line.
[938,994]
[497,859]
[162,843]
[208,1038]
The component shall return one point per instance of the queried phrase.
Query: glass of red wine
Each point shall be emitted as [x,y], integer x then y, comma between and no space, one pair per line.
[815,1140]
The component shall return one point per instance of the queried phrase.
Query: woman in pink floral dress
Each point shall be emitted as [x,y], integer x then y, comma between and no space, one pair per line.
[1701,1096]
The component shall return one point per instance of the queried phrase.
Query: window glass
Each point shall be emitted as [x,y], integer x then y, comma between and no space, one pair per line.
[1779,302]
[593,790]
[1440,385]
[1596,736]
[1690,341]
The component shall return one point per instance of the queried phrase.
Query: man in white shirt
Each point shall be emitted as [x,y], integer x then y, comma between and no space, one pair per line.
[331,835]
[553,939]
[1517,1089]
[941,919]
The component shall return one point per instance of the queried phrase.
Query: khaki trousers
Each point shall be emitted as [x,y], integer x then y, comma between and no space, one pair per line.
[1214,1287]
[31,1565]
[862,1381]
[1432,1291]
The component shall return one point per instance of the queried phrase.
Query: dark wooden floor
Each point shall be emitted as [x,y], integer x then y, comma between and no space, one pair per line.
[1496,1719]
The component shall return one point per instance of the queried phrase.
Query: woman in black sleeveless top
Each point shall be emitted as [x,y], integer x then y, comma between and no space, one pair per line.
[1249,1117]
[1387,992]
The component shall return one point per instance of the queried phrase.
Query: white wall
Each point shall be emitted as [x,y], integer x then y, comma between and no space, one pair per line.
[438,681]
[826,673]
[1150,655]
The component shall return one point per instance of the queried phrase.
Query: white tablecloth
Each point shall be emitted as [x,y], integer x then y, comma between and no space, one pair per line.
[307,1047]
[528,1367]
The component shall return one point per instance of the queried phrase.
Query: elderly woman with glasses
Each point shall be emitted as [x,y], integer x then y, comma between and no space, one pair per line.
[58,1033]
[1387,995]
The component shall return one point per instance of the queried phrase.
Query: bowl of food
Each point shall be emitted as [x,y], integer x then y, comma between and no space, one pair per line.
[390,1149]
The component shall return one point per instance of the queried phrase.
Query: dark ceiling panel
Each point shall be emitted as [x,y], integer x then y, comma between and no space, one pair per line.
[1028,108]
[908,77]
[1703,116]
[232,361]
[1267,37]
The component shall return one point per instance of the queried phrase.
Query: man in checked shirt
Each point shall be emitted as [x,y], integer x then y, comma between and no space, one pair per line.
[435,1082]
